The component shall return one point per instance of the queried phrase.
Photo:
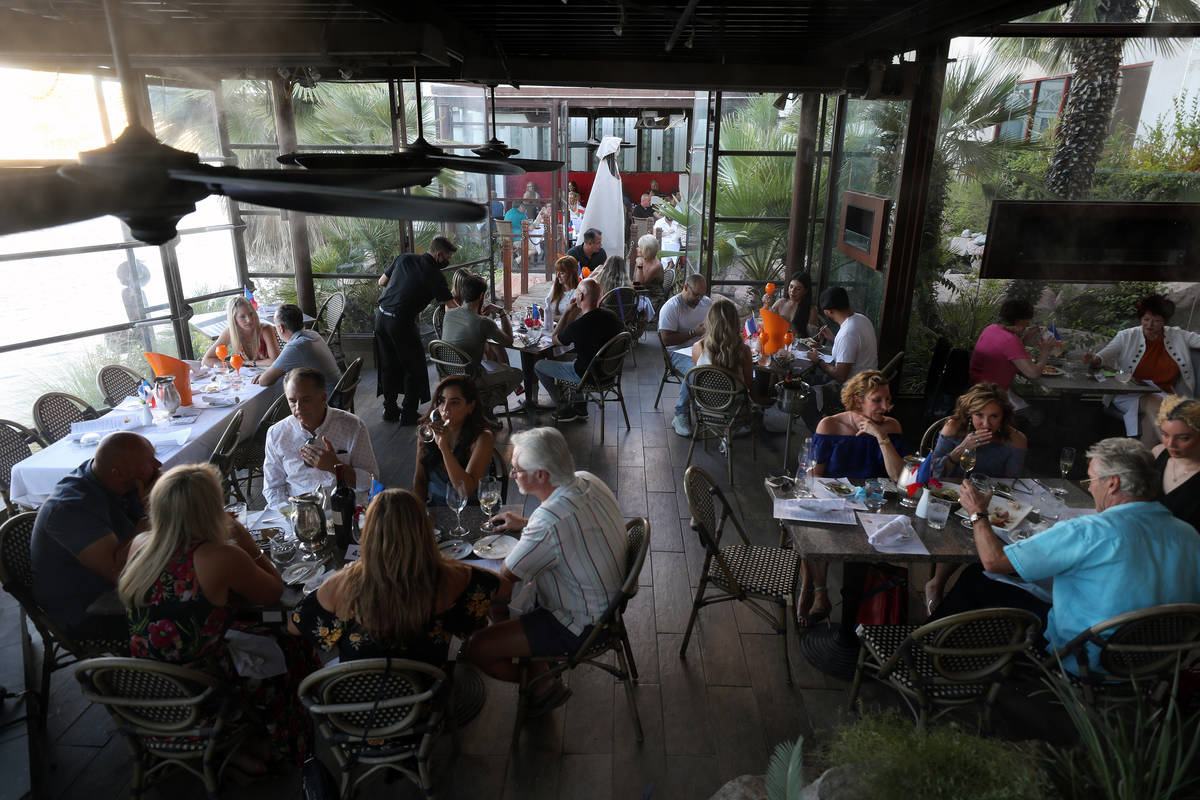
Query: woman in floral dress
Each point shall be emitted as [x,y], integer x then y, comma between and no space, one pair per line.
[178,587]
[402,598]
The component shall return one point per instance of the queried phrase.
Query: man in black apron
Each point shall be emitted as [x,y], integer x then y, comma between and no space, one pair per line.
[409,284]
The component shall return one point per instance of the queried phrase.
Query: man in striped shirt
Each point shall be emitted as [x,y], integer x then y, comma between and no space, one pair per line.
[572,549]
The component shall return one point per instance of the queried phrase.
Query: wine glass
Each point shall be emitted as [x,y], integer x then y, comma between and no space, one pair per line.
[236,362]
[426,430]
[874,499]
[1066,460]
[222,353]
[456,498]
[489,501]
[967,460]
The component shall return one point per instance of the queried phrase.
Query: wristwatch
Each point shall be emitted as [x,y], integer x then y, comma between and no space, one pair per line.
[978,515]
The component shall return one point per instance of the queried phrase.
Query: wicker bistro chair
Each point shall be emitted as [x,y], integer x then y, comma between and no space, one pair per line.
[329,321]
[601,381]
[378,714]
[930,437]
[252,453]
[950,662]
[719,407]
[342,394]
[498,469]
[58,648]
[54,412]
[608,635]
[670,374]
[449,360]
[168,716]
[623,302]
[15,445]
[222,456]
[439,318]
[116,382]
[760,577]
[1140,651]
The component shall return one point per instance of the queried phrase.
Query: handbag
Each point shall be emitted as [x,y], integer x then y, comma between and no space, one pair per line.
[884,599]
[315,779]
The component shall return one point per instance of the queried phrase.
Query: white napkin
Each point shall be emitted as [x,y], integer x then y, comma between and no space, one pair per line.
[255,656]
[899,529]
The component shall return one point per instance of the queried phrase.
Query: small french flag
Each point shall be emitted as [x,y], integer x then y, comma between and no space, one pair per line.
[1054,332]
[750,328]
[249,295]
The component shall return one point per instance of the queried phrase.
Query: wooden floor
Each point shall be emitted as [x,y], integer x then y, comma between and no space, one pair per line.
[709,717]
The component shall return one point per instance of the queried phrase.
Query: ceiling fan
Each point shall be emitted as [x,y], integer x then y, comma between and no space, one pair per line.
[151,186]
[495,148]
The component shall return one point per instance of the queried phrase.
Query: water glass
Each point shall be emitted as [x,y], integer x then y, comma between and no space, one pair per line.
[874,499]
[982,483]
[939,512]
[283,551]
[238,511]
[1124,375]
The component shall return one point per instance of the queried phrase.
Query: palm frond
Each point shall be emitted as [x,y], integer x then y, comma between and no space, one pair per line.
[785,771]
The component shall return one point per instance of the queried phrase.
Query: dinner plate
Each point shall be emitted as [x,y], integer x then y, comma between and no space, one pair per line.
[299,573]
[455,548]
[947,492]
[498,545]
[1015,510]
[1051,370]
[837,488]
[220,402]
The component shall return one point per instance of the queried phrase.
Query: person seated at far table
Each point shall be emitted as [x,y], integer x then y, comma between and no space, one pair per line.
[589,253]
[984,425]
[615,275]
[81,534]
[1132,555]
[681,322]
[492,351]
[402,598]
[244,335]
[999,353]
[566,281]
[302,348]
[798,308]
[1151,351]
[860,442]
[648,271]
[572,549]
[722,344]
[182,578]
[469,330]
[855,349]
[303,449]
[1178,458]
[588,327]
[461,450]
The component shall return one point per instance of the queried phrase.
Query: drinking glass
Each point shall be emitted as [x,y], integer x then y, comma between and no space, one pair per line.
[283,551]
[1124,375]
[802,487]
[489,501]
[222,353]
[425,431]
[456,498]
[967,461]
[939,512]
[238,510]
[1066,460]
[874,500]
[982,483]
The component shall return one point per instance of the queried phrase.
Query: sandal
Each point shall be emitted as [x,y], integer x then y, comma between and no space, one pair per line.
[933,596]
[800,612]
[813,618]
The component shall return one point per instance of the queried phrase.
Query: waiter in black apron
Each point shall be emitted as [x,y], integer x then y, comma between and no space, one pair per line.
[409,283]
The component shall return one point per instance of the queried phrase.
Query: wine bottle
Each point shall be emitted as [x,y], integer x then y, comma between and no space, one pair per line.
[342,505]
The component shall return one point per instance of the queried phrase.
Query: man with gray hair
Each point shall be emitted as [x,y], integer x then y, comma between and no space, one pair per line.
[572,550]
[1133,554]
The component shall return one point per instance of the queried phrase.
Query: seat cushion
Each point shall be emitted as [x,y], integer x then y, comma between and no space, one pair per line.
[882,641]
[762,571]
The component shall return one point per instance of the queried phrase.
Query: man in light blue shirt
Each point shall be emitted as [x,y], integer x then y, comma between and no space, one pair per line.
[1132,555]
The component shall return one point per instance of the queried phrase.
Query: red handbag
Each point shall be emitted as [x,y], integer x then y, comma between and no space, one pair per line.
[885,596]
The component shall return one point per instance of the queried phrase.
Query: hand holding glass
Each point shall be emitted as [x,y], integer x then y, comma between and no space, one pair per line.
[427,429]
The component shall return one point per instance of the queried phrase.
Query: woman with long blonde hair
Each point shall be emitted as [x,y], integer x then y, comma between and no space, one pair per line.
[722,344]
[402,598]
[245,334]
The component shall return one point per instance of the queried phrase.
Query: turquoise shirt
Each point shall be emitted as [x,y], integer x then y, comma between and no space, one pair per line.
[1130,557]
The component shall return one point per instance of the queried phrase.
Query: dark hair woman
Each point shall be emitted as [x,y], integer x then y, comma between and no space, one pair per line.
[461,450]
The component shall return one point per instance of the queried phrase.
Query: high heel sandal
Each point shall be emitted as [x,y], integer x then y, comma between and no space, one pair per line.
[933,597]
[810,619]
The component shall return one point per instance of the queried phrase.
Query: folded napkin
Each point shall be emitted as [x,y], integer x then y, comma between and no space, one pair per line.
[899,529]
[255,656]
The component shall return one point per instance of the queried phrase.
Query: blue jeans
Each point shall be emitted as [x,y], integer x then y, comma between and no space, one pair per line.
[549,372]
[682,362]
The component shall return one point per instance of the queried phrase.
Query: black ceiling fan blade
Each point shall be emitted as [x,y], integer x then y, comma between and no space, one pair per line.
[351,178]
[537,164]
[380,161]
[335,200]
[41,198]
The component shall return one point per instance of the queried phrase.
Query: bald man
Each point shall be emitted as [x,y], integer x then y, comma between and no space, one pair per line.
[82,532]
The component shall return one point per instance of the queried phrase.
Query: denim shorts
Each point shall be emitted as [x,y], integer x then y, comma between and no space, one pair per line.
[549,637]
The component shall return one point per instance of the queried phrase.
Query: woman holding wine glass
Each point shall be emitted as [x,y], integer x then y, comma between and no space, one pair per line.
[244,335]
[461,446]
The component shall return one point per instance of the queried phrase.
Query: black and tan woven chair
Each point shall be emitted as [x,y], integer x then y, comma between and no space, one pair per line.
[58,648]
[252,453]
[623,302]
[439,318]
[601,381]
[329,321]
[342,394]
[764,578]
[54,412]
[16,444]
[608,635]
[719,408]
[949,662]
[168,716]
[378,714]
[930,437]
[1139,652]
[668,282]
[116,382]
[670,374]
[222,456]
[450,360]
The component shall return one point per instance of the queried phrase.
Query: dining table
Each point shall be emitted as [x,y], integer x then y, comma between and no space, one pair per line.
[533,346]
[834,648]
[187,437]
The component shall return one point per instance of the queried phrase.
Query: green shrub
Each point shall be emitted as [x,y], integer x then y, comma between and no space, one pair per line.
[1103,309]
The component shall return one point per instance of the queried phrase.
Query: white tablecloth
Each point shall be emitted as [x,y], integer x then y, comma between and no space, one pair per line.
[35,478]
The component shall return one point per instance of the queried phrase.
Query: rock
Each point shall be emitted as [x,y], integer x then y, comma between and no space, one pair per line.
[743,787]
[838,782]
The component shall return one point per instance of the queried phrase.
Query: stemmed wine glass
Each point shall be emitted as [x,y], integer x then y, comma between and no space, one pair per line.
[222,353]
[426,430]
[1066,460]
[489,501]
[967,461]
[456,498]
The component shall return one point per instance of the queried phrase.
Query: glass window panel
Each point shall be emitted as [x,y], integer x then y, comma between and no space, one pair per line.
[345,113]
[185,118]
[49,115]
[248,112]
[206,263]
[268,248]
[1049,98]
[99,230]
[212,210]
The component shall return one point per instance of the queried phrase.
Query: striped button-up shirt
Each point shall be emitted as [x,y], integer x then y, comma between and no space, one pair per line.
[573,550]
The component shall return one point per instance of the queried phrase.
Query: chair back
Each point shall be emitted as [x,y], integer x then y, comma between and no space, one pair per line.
[406,696]
[637,544]
[703,497]
[15,445]
[668,281]
[439,318]
[929,438]
[1140,645]
[666,354]
[973,646]
[623,302]
[116,382]
[498,469]
[54,412]
[605,368]
[449,360]
[342,395]
[275,412]
[714,391]
[223,452]
[329,317]
[152,700]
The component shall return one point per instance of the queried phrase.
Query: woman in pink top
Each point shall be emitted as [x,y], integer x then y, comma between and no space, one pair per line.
[1000,352]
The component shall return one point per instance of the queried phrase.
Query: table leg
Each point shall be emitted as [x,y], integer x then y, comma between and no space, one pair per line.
[531,381]
[470,693]
[833,649]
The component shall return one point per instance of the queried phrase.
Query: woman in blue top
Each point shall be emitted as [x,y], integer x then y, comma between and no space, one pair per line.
[982,422]
[861,442]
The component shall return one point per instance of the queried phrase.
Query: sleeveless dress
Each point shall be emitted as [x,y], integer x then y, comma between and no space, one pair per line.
[435,469]
[1184,500]
[854,456]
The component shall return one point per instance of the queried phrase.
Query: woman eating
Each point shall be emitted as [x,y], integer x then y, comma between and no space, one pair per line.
[461,450]
[722,345]
[566,280]
[181,578]
[615,275]
[861,442]
[1152,351]
[983,425]
[798,308]
[649,271]
[1178,457]
[402,598]
[244,335]
[999,353]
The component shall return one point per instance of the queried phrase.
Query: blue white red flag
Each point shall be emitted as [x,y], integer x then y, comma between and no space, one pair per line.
[750,328]
[249,296]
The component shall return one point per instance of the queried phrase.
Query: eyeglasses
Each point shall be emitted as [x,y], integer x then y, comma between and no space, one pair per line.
[1087,482]
[513,469]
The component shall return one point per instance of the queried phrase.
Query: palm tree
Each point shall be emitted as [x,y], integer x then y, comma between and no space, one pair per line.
[1094,65]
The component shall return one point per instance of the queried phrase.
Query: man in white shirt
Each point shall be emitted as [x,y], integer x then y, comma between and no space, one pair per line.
[303,449]
[572,549]
[681,324]
[855,348]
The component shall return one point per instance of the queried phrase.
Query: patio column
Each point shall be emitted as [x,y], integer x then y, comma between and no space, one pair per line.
[919,144]
[285,136]
[802,181]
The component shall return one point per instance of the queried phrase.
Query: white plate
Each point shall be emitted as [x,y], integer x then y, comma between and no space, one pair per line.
[299,573]
[455,548]
[497,545]
[1017,511]
[219,402]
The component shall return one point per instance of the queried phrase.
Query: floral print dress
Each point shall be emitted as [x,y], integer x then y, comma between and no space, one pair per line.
[468,614]
[179,625]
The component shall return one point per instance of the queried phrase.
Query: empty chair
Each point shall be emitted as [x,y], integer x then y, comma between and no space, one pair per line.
[54,412]
[329,320]
[930,437]
[342,395]
[719,408]
[15,445]
[450,360]
[117,382]
[892,367]
[601,381]
[222,456]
